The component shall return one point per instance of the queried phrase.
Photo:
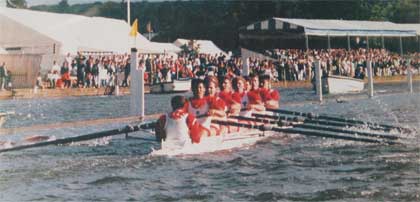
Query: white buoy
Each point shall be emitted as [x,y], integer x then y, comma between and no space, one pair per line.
[370,77]
[409,76]
[136,86]
[318,79]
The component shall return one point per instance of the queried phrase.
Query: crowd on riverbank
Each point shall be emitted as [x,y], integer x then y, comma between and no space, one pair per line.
[282,64]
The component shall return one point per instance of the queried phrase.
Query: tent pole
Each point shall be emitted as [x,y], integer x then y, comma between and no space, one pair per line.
[329,43]
[383,41]
[348,42]
[418,42]
[401,46]
[128,13]
[367,42]
[307,42]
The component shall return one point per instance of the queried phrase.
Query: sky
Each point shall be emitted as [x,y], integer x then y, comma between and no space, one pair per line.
[48,2]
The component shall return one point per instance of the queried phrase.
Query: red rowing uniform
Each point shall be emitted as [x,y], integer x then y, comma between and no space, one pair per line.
[200,108]
[269,94]
[226,97]
[216,102]
[241,98]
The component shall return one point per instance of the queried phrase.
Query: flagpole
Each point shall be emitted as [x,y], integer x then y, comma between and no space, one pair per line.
[128,12]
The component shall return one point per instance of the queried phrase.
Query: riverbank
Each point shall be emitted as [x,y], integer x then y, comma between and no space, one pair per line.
[57,93]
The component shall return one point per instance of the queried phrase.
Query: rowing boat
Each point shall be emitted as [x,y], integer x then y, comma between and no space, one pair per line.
[228,141]
[215,143]
[267,126]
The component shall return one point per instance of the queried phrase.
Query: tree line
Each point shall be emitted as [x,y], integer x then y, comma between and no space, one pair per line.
[220,20]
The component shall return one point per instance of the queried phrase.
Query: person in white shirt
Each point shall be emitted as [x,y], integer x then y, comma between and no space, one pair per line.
[55,67]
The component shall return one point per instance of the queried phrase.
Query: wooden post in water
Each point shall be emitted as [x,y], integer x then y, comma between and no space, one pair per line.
[136,90]
[409,76]
[370,77]
[245,66]
[141,90]
[318,79]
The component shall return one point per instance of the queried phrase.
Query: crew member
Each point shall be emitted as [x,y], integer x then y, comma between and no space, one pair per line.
[179,127]
[217,107]
[226,95]
[255,102]
[198,104]
[269,96]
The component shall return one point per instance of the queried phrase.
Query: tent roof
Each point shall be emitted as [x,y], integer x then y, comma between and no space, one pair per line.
[76,32]
[206,46]
[318,27]
[415,27]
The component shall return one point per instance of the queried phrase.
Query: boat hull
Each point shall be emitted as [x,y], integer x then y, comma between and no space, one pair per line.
[341,84]
[176,86]
[216,143]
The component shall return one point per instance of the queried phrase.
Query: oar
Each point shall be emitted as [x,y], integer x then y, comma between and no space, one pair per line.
[306,132]
[125,130]
[339,119]
[319,127]
[318,121]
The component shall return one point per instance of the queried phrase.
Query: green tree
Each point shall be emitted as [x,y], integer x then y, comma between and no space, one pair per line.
[16,3]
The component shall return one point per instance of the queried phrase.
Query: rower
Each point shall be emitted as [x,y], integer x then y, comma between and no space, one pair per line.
[226,95]
[269,96]
[217,107]
[254,98]
[250,101]
[199,105]
[179,127]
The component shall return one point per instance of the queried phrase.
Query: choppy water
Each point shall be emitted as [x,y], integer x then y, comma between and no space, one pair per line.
[297,169]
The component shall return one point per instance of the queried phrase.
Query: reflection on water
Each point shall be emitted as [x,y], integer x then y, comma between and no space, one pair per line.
[292,169]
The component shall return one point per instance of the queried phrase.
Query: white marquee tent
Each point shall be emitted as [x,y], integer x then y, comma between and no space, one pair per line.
[54,35]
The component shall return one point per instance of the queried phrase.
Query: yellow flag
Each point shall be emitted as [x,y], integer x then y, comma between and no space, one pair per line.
[134,29]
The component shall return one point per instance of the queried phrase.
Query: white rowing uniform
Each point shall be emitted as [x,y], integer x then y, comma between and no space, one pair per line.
[177,132]
[199,112]
[244,105]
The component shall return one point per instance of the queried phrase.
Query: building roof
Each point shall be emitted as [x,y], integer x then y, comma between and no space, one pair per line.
[319,27]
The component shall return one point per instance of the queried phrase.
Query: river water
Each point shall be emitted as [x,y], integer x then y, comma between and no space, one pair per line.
[278,169]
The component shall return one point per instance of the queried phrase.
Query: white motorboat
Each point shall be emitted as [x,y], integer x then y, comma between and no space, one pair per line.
[175,86]
[340,84]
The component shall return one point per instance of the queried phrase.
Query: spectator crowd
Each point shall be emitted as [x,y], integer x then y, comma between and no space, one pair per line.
[280,64]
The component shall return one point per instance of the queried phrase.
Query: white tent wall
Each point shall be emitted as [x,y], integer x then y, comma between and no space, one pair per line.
[23,39]
[54,35]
